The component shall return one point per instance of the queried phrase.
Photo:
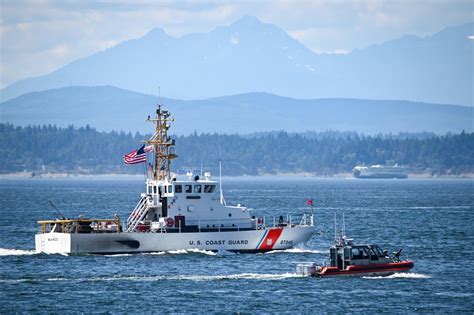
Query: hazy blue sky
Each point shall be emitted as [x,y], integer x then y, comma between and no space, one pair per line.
[37,37]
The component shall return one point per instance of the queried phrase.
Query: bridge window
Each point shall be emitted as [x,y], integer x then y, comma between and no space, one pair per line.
[154,189]
[178,189]
[364,253]
[373,256]
[170,189]
[378,251]
[209,188]
[197,189]
[357,253]
[189,189]
[150,190]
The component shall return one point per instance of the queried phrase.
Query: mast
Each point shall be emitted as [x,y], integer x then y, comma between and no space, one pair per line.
[162,144]
[343,226]
[221,194]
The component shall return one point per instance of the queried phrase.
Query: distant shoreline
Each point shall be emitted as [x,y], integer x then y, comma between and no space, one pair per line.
[306,176]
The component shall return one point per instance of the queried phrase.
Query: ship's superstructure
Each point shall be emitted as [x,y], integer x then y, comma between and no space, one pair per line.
[181,203]
[380,171]
[175,212]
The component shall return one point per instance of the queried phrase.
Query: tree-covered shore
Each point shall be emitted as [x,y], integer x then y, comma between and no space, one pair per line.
[84,150]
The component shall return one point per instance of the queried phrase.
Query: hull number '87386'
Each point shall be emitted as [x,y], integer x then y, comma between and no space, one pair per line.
[286,242]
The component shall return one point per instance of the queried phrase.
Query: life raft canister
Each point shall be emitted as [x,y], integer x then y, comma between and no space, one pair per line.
[169,222]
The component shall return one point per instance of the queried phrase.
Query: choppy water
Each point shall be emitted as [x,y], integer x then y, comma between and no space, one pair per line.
[431,219]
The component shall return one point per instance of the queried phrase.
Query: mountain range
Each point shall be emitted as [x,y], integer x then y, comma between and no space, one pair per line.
[109,108]
[251,56]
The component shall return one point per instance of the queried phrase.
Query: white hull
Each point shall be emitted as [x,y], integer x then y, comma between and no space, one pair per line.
[379,171]
[136,242]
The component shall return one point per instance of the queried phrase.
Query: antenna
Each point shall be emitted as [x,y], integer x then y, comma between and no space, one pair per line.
[159,95]
[220,184]
[343,226]
[220,175]
[54,207]
[335,228]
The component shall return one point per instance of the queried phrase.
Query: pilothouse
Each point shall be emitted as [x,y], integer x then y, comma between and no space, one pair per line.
[187,204]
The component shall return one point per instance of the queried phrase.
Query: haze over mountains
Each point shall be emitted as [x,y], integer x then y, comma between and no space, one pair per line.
[249,56]
[108,108]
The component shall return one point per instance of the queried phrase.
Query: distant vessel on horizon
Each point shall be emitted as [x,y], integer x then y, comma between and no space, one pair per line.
[380,171]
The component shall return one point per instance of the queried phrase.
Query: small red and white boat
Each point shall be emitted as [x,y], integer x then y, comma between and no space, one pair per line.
[350,259]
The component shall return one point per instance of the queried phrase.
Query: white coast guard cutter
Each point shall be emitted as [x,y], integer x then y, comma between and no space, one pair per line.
[174,213]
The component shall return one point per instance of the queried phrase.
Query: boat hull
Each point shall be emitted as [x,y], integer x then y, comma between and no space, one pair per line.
[381,176]
[366,270]
[136,242]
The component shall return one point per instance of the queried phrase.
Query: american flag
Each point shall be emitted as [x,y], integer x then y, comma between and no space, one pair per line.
[137,156]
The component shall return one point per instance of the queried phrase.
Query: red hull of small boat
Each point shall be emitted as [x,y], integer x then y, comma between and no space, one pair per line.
[360,270]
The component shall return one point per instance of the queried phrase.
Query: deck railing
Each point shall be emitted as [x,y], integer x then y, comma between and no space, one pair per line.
[257,224]
[81,225]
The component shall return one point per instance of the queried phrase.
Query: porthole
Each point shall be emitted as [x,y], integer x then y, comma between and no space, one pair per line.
[230,214]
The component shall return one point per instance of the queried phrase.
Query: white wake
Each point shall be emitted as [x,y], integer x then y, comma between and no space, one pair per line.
[179,252]
[15,252]
[191,251]
[405,275]
[245,276]
[251,276]
[301,250]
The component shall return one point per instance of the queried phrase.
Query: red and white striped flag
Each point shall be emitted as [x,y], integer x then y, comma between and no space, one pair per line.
[137,156]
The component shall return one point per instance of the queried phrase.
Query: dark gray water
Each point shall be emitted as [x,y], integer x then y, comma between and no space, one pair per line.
[431,219]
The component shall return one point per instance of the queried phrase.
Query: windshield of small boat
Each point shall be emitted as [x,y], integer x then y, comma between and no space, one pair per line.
[378,251]
[360,252]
